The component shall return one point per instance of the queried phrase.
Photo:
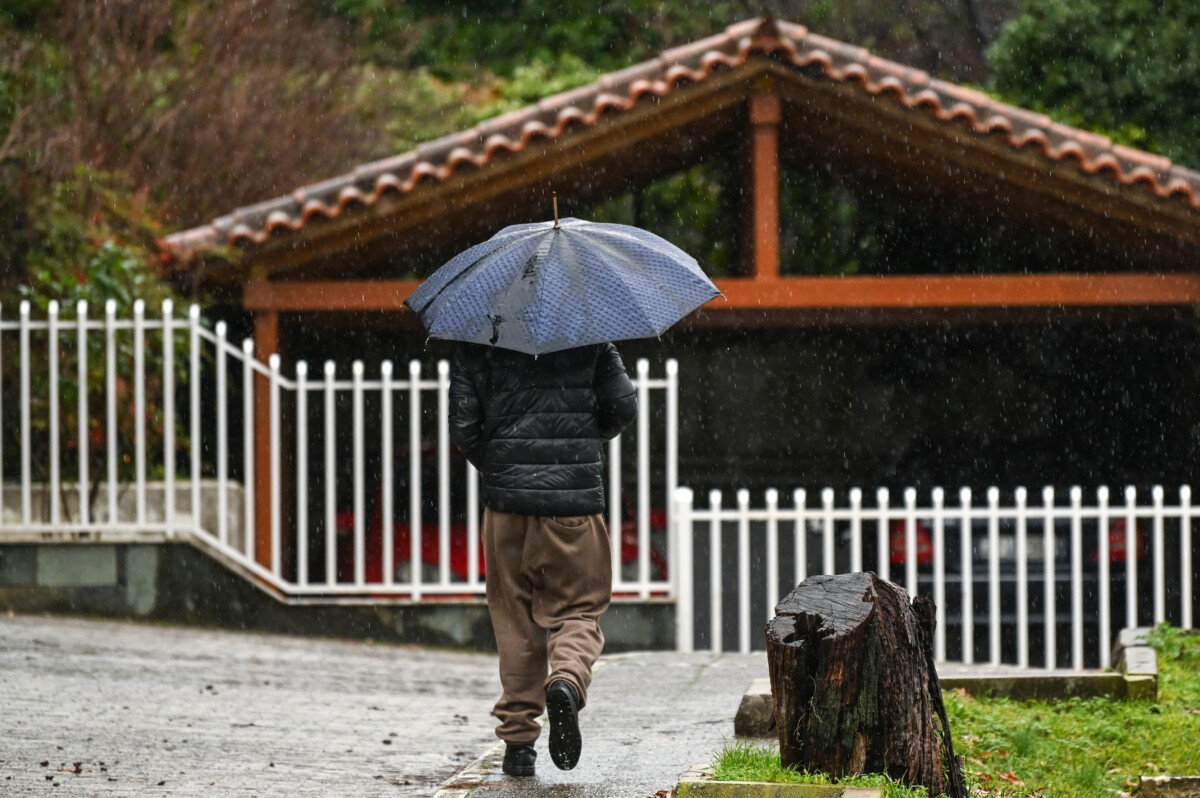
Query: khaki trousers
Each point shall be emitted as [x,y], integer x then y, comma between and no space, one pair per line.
[548,582]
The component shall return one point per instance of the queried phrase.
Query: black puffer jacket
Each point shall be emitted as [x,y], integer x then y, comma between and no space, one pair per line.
[536,427]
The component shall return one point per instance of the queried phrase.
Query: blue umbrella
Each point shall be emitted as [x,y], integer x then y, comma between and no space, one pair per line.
[546,286]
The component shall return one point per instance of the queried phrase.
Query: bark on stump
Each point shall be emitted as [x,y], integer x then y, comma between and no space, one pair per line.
[854,685]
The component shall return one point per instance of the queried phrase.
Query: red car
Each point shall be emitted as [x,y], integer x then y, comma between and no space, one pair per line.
[430,530]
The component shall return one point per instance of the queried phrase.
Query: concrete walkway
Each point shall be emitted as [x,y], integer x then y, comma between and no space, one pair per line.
[117,709]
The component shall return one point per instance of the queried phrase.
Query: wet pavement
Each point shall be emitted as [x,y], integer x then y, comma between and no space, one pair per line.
[120,709]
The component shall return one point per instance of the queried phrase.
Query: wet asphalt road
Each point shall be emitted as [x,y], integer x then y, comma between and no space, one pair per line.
[118,709]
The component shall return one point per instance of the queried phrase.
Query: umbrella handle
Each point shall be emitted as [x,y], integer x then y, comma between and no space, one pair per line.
[554,195]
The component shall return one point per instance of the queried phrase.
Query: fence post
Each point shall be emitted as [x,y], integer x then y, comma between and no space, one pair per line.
[81,319]
[168,403]
[643,477]
[672,400]
[26,436]
[772,498]
[52,345]
[1022,497]
[302,473]
[1049,576]
[1102,556]
[358,478]
[1185,554]
[414,475]
[139,408]
[110,392]
[1160,582]
[250,540]
[743,544]
[387,463]
[910,541]
[222,401]
[1131,557]
[330,476]
[195,444]
[967,582]
[800,533]
[1076,577]
[993,499]
[715,588]
[827,532]
[276,472]
[443,431]
[681,526]
[939,573]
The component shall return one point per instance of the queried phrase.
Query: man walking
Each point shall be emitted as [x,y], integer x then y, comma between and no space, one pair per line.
[535,427]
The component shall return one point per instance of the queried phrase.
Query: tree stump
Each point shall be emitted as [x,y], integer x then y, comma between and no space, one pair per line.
[854,685]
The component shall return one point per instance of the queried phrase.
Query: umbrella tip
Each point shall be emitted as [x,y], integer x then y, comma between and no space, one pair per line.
[554,196]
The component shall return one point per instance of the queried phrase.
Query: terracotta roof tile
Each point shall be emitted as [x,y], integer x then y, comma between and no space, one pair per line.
[690,63]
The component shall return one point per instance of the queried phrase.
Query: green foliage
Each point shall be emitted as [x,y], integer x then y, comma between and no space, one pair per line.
[1080,748]
[1127,68]
[73,257]
[686,208]
[745,761]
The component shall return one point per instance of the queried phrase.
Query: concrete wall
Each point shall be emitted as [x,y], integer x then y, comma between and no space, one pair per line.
[176,583]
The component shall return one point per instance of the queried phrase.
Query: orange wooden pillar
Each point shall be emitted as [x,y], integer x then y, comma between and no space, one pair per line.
[266,343]
[765,115]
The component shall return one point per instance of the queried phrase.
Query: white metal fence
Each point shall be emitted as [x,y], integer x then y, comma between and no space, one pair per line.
[366,496]
[1109,565]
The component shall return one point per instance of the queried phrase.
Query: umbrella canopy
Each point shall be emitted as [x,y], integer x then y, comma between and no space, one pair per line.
[542,287]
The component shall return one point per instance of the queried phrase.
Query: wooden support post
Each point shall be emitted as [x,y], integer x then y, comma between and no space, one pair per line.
[266,343]
[765,114]
[854,685]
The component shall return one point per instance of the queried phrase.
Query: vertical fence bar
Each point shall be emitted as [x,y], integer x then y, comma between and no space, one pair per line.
[139,409]
[52,375]
[473,526]
[800,533]
[1102,567]
[1022,500]
[828,532]
[681,523]
[1049,574]
[195,444]
[81,319]
[26,436]
[1077,577]
[1131,557]
[168,414]
[222,401]
[330,474]
[967,582]
[1160,568]
[993,499]
[856,515]
[414,475]
[359,479]
[715,588]
[2,426]
[615,506]
[672,422]
[443,392]
[248,539]
[110,393]
[302,473]
[772,580]
[643,479]
[910,541]
[743,543]
[938,497]
[882,531]
[276,472]
[1185,555]
[387,465]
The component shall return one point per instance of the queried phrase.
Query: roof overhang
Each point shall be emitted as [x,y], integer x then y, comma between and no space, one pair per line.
[874,117]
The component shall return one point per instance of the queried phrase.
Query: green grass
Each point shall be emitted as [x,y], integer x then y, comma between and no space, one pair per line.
[1078,748]
[1085,747]
[744,761]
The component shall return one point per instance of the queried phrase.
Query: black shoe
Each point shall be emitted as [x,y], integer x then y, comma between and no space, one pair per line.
[562,705]
[519,759]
